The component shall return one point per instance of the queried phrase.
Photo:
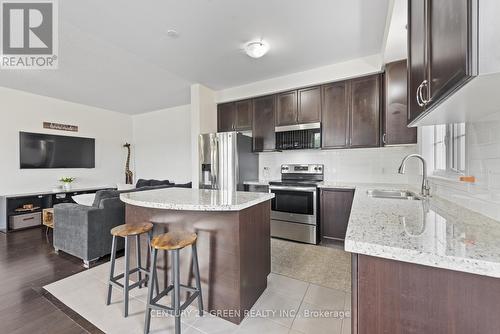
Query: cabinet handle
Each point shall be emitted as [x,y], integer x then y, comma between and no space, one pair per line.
[419,96]
[425,84]
[383,138]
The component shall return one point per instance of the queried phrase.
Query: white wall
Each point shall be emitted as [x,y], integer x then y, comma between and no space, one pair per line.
[377,165]
[348,69]
[396,44]
[162,144]
[20,111]
[203,120]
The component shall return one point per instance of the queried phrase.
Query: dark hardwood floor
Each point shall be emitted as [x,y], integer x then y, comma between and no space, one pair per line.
[27,263]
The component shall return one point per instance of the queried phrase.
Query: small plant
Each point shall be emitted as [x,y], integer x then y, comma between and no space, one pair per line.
[67,179]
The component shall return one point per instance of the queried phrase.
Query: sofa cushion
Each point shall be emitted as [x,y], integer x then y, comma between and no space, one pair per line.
[104,194]
[151,183]
[156,183]
[184,185]
[142,183]
[84,199]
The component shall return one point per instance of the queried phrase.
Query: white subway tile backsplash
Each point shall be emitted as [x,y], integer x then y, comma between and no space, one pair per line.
[483,162]
[379,165]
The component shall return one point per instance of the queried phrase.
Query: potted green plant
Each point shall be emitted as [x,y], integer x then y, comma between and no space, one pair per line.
[67,182]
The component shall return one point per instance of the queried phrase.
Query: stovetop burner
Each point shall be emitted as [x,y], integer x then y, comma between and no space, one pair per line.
[291,183]
[293,175]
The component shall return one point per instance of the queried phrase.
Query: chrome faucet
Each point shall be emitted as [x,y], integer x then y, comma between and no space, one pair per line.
[426,189]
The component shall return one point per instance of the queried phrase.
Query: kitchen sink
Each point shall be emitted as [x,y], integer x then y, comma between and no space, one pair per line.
[393,194]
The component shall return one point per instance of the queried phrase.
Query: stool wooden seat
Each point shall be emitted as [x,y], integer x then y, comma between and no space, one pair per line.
[129,229]
[174,240]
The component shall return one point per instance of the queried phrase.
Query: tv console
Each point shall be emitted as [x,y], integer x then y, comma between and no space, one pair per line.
[10,206]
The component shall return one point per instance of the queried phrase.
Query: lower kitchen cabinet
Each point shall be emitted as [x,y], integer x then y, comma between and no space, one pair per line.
[335,209]
[393,297]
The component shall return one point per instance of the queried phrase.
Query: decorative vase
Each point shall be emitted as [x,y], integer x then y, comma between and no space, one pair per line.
[67,186]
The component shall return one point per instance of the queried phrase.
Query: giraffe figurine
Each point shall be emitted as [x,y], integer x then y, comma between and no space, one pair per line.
[129,176]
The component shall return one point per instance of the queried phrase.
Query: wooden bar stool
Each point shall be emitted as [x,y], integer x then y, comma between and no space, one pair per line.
[128,231]
[173,242]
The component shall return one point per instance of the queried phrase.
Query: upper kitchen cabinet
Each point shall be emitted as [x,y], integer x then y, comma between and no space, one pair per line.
[286,108]
[234,116]
[243,115]
[417,28]
[335,115]
[396,131]
[309,105]
[440,51]
[365,112]
[299,107]
[264,137]
[226,116]
[351,113]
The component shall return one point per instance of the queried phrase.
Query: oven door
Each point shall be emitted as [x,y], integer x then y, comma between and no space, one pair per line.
[294,204]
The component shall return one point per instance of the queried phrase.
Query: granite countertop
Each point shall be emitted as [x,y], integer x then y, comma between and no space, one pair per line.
[195,199]
[433,232]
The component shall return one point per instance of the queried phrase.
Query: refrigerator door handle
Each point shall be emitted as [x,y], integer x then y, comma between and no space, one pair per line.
[215,162]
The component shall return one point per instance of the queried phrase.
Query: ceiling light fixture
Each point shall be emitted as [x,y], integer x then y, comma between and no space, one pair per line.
[256,49]
[172,33]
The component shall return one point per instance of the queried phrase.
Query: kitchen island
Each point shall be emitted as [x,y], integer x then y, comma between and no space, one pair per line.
[422,266]
[233,244]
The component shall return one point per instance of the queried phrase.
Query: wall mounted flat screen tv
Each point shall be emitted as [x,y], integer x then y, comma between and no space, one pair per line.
[38,150]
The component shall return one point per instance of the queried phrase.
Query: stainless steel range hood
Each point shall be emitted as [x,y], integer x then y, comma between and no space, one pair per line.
[296,127]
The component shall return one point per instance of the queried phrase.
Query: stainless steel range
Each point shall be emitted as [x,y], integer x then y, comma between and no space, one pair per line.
[294,210]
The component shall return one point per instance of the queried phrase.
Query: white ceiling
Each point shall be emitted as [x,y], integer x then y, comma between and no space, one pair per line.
[396,47]
[115,54]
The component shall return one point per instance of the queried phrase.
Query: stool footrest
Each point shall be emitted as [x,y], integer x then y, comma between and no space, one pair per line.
[132,271]
[155,305]
[114,283]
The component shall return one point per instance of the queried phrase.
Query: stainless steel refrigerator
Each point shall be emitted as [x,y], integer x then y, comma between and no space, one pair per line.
[226,161]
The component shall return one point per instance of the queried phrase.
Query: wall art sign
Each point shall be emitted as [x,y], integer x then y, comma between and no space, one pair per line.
[58,126]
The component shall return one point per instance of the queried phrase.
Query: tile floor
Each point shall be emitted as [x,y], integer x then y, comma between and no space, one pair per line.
[287,306]
[326,266]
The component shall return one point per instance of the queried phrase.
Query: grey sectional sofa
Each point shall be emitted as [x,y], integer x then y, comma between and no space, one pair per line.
[84,231]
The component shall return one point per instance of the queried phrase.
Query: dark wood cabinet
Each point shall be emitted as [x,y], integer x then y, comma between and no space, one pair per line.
[299,106]
[234,116]
[449,45]
[244,116]
[393,297]
[351,113]
[396,131]
[417,25]
[335,115]
[309,105]
[365,112]
[226,116]
[286,108]
[335,209]
[439,51]
[264,138]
